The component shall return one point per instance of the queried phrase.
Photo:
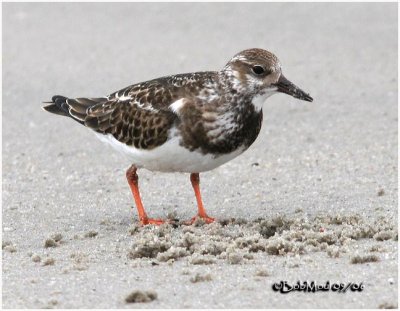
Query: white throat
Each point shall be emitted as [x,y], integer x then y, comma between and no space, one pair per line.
[259,100]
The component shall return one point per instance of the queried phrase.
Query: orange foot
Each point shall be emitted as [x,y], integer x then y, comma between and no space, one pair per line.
[152,221]
[206,219]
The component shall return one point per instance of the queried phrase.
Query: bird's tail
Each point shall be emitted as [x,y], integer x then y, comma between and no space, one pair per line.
[76,108]
[57,105]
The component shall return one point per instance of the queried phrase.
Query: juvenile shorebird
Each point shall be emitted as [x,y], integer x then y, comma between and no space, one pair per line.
[189,123]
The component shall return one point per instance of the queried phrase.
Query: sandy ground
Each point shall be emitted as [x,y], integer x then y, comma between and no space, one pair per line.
[315,197]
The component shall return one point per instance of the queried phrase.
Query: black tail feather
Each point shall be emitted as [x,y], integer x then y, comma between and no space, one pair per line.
[76,108]
[57,105]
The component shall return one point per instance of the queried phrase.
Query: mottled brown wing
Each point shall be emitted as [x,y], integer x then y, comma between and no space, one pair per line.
[137,115]
[129,123]
[160,93]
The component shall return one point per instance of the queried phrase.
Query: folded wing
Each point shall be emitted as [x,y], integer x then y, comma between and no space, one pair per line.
[135,123]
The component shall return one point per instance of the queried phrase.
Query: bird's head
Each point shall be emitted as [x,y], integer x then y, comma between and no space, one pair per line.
[258,72]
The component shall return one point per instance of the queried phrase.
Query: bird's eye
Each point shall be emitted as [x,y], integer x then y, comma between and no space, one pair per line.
[258,70]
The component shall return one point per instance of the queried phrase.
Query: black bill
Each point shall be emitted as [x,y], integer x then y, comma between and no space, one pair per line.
[287,87]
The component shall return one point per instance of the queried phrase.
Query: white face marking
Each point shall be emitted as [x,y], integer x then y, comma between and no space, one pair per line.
[177,105]
[259,100]
[254,82]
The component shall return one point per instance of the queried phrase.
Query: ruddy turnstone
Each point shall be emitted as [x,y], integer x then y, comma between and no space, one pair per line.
[188,123]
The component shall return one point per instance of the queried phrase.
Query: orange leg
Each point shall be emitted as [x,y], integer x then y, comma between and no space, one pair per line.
[195,179]
[133,181]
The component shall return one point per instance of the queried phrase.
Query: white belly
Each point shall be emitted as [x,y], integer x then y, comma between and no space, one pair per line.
[170,157]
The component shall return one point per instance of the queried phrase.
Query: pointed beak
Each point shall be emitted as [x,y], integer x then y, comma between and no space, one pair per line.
[287,87]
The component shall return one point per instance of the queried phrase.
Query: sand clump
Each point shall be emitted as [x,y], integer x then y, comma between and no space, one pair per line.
[91,234]
[387,305]
[201,278]
[139,296]
[383,235]
[268,228]
[5,243]
[333,251]
[377,248]
[50,243]
[262,273]
[149,246]
[49,261]
[36,258]
[8,246]
[197,259]
[51,304]
[358,259]
[235,240]
[53,241]
[57,237]
[172,253]
[234,258]
[80,261]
